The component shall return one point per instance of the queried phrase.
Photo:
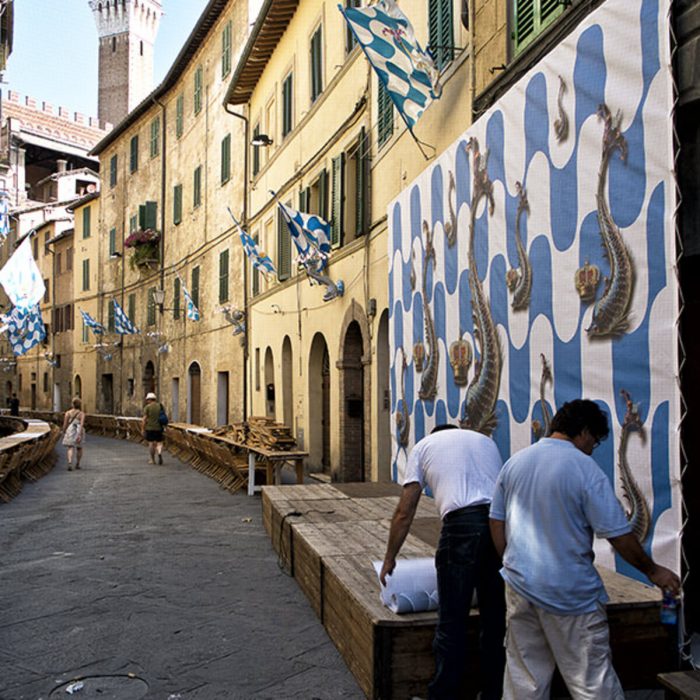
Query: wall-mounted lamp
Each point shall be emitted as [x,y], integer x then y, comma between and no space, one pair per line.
[159,296]
[261,140]
[115,255]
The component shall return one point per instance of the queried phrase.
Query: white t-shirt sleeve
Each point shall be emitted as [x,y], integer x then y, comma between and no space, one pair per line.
[414,470]
[498,504]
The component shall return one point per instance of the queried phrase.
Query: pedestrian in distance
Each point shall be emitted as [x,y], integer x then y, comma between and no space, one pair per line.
[550,499]
[460,467]
[152,428]
[14,405]
[74,433]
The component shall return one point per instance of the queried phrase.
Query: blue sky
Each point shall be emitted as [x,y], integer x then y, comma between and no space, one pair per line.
[55,49]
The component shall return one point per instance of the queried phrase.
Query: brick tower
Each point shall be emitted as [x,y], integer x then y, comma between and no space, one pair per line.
[127,31]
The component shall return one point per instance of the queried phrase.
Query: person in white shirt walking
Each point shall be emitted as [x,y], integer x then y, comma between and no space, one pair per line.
[460,467]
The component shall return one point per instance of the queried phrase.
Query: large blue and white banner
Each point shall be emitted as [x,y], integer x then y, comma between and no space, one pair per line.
[533,263]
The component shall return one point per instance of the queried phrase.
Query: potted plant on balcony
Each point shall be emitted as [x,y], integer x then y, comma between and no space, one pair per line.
[145,245]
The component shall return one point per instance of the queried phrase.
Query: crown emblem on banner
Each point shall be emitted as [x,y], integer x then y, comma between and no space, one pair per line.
[586,280]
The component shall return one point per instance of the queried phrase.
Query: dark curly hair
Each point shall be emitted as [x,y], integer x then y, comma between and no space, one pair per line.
[575,416]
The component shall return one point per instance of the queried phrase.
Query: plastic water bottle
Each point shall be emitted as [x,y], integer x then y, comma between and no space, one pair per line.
[669,610]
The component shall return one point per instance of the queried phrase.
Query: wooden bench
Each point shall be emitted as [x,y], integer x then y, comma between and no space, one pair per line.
[681,684]
[327,537]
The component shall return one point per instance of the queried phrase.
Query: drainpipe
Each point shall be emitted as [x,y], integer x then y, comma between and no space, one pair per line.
[244,223]
[163,169]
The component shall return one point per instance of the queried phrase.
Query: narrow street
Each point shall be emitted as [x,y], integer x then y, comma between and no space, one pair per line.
[150,581]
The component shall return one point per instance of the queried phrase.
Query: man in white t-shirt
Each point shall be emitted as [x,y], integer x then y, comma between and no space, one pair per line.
[460,467]
[550,499]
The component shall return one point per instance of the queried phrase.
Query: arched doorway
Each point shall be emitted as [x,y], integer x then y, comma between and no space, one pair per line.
[383,400]
[149,378]
[269,384]
[194,394]
[287,384]
[78,386]
[319,405]
[352,419]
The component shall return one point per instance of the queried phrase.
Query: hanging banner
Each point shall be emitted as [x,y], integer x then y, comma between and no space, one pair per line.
[532,264]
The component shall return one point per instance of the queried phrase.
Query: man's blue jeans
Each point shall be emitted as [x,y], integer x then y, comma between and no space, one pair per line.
[466,560]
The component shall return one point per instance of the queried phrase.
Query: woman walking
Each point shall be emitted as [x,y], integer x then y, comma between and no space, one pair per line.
[74,433]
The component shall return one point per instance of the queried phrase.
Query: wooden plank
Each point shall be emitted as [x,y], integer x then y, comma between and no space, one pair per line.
[685,684]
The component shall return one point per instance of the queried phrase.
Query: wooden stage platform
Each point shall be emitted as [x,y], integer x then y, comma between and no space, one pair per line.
[327,536]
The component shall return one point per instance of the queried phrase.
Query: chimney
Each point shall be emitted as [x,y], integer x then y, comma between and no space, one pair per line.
[61,165]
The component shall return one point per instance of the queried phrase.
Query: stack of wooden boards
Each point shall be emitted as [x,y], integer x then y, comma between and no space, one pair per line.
[327,536]
[260,433]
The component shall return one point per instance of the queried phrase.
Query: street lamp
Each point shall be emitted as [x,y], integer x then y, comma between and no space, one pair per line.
[261,140]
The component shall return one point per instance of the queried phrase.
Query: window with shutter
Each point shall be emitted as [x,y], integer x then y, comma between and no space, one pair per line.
[350,40]
[112,241]
[223,276]
[441,31]
[110,316]
[113,171]
[177,204]
[226,50]
[362,184]
[256,151]
[197,187]
[284,248]
[151,215]
[155,137]
[255,277]
[226,159]
[316,64]
[197,97]
[179,116]
[287,104]
[323,194]
[338,200]
[86,222]
[176,298]
[194,292]
[131,308]
[86,275]
[385,107]
[531,17]
[151,307]
[134,154]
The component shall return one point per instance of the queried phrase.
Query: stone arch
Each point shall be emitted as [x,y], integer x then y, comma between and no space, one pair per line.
[287,384]
[149,377]
[194,393]
[319,418]
[269,369]
[383,398]
[354,412]
[78,384]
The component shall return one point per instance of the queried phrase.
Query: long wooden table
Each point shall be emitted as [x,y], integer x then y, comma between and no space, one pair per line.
[327,537]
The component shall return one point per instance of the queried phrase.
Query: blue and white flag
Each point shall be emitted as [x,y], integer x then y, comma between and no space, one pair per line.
[25,328]
[4,217]
[407,72]
[192,310]
[122,324]
[260,260]
[21,277]
[96,327]
[311,236]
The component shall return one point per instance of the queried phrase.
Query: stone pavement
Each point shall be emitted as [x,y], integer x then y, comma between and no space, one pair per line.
[124,568]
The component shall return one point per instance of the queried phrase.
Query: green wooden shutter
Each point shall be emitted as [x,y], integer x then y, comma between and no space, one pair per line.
[256,151]
[151,215]
[151,307]
[287,95]
[197,187]
[362,184]
[194,292]
[284,248]
[304,200]
[179,116]
[226,50]
[255,277]
[385,108]
[86,275]
[338,201]
[440,31]
[86,222]
[226,159]
[531,17]
[223,276]
[131,308]
[177,204]
[112,241]
[323,194]
[134,154]
[198,90]
[176,298]
[316,64]
[110,316]
[113,171]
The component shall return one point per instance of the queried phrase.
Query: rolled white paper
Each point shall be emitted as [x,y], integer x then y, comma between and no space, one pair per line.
[411,588]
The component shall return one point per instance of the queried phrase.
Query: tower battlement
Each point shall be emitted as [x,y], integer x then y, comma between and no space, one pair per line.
[140,18]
